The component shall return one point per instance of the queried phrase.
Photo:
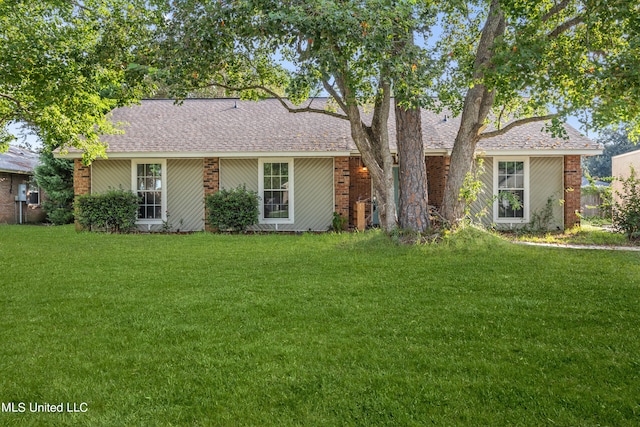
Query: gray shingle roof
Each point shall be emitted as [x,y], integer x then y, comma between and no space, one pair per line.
[234,126]
[18,160]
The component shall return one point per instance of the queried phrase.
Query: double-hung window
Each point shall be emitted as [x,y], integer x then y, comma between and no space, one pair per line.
[511,188]
[276,191]
[149,184]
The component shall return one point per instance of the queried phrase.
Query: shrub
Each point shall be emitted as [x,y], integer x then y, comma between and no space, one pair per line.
[234,209]
[55,176]
[114,211]
[626,209]
[338,223]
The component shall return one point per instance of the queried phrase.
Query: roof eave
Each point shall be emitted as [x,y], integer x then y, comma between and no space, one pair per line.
[16,172]
[203,154]
[540,153]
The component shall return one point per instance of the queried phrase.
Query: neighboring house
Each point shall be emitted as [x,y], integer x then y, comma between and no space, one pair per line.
[621,168]
[19,196]
[305,166]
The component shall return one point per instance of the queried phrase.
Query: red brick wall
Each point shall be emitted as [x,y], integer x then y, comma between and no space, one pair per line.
[341,182]
[81,178]
[9,208]
[81,181]
[359,188]
[572,183]
[211,182]
[437,172]
[9,183]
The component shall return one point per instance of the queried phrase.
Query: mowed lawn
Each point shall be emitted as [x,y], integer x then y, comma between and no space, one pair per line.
[315,330]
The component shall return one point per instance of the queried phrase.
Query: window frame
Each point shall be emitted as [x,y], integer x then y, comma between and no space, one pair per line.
[163,190]
[33,189]
[496,190]
[290,189]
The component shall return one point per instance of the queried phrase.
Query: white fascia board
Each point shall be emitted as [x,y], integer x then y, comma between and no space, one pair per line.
[623,155]
[15,172]
[427,153]
[538,153]
[202,154]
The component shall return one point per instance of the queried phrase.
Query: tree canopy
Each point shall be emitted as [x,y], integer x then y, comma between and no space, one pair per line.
[511,62]
[614,143]
[358,52]
[65,64]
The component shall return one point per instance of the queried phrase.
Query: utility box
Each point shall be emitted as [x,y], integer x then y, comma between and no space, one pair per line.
[22,193]
[360,211]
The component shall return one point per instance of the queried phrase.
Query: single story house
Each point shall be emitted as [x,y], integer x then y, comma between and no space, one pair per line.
[621,166]
[305,166]
[19,196]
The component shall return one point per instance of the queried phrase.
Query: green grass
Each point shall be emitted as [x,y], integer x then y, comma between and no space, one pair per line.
[318,330]
[586,234]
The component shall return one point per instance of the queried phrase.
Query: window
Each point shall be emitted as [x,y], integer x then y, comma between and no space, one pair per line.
[276,191]
[149,183]
[34,194]
[511,183]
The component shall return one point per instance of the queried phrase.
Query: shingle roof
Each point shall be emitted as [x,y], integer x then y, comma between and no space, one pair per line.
[232,126]
[18,160]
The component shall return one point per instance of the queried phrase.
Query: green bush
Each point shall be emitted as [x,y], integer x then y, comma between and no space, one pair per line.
[57,215]
[55,177]
[234,209]
[115,211]
[338,223]
[626,210]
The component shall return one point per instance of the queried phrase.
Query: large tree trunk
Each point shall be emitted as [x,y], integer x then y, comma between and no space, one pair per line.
[477,105]
[413,206]
[380,165]
[373,144]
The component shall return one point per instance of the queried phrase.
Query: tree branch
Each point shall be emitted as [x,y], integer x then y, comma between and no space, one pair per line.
[80,5]
[565,26]
[280,99]
[331,91]
[15,101]
[516,123]
[554,10]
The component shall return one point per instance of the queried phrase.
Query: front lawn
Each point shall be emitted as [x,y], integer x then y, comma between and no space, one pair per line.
[586,234]
[315,330]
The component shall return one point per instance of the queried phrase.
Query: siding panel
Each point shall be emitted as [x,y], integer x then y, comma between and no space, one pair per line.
[313,190]
[185,194]
[545,182]
[482,208]
[110,175]
[236,172]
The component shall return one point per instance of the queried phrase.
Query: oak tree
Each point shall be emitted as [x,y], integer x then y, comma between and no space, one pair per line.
[357,52]
[64,64]
[535,61]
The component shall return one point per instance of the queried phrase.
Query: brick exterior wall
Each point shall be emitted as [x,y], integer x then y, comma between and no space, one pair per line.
[81,181]
[359,188]
[211,182]
[341,183]
[437,173]
[81,178]
[9,208]
[572,183]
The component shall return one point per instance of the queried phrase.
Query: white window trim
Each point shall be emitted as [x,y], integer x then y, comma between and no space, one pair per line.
[261,162]
[527,191]
[38,191]
[163,179]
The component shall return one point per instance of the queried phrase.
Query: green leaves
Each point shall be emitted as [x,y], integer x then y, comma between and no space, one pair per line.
[234,209]
[114,211]
[565,56]
[64,66]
